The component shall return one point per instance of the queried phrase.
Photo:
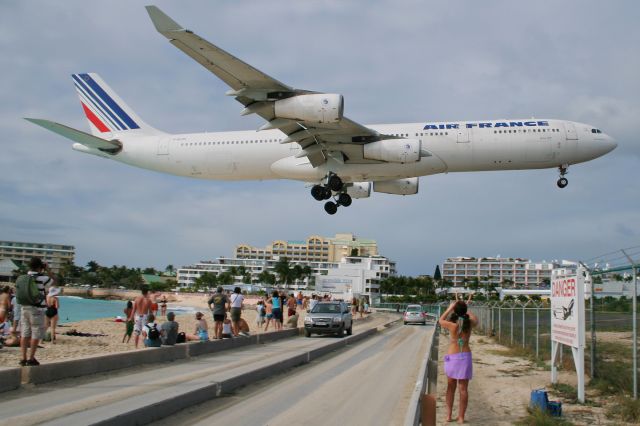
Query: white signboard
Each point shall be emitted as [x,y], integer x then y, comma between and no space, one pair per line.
[567,320]
[567,309]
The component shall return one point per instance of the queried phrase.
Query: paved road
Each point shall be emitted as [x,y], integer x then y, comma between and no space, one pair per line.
[368,384]
[90,399]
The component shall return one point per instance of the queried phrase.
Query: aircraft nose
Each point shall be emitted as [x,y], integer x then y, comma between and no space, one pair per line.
[609,144]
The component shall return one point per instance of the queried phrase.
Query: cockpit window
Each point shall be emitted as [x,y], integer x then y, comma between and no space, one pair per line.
[596,131]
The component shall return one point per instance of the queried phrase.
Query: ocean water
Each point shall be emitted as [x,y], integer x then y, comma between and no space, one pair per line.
[73,308]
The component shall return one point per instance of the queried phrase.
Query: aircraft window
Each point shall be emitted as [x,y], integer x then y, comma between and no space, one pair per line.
[441,134]
[446,133]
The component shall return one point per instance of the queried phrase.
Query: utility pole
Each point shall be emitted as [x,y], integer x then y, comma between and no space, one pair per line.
[635,337]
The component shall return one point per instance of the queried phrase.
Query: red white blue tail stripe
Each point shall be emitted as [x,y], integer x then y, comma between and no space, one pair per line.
[100,108]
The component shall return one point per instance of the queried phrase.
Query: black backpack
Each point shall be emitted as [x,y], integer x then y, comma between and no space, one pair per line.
[154,334]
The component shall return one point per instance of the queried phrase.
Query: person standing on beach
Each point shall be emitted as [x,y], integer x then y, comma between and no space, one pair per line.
[129,322]
[237,300]
[218,304]
[5,303]
[140,312]
[276,303]
[268,313]
[53,305]
[458,367]
[32,319]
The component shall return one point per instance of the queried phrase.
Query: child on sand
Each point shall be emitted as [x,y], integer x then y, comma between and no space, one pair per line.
[226,329]
[129,323]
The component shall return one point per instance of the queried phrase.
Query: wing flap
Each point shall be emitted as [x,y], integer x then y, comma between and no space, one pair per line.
[112,147]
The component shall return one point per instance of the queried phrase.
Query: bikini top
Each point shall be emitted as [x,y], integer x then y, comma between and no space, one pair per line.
[460,339]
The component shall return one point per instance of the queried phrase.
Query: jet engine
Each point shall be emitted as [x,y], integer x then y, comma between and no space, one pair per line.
[393,150]
[407,186]
[359,190]
[313,108]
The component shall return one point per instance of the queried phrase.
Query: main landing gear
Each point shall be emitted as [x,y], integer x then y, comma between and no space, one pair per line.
[562,182]
[326,191]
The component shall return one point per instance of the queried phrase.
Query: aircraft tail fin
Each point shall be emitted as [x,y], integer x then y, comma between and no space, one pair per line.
[105,110]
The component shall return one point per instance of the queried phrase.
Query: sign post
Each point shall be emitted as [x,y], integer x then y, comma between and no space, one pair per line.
[568,320]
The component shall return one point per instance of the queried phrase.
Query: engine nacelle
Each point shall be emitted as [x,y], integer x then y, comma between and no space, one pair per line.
[359,189]
[407,186]
[312,108]
[393,150]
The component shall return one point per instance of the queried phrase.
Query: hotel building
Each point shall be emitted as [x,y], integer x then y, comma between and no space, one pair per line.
[505,272]
[55,255]
[313,249]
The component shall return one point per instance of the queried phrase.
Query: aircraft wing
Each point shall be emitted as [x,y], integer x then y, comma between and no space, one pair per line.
[110,146]
[258,92]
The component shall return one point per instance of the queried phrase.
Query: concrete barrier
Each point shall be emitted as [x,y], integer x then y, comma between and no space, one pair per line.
[277,335]
[59,370]
[212,346]
[10,378]
[427,378]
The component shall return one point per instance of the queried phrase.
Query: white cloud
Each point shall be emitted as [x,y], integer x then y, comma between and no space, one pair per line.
[394,62]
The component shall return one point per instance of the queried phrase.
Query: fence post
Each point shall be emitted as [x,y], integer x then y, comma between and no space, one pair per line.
[537,333]
[512,309]
[523,330]
[499,323]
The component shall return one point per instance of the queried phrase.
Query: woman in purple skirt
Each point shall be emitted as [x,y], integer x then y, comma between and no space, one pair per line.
[457,363]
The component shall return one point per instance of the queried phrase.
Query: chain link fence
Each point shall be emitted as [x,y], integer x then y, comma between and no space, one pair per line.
[526,325]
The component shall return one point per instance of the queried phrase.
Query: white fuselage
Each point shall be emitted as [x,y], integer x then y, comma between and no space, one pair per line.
[450,147]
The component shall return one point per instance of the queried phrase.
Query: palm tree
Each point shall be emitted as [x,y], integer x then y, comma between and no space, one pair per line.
[307,273]
[267,278]
[169,269]
[92,266]
[283,269]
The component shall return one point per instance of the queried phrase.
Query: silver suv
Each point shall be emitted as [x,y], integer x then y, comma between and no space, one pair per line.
[329,318]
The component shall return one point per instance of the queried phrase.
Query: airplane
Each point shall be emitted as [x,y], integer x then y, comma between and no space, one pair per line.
[308,138]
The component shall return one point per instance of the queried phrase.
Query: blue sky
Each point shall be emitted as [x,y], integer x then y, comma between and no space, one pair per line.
[409,61]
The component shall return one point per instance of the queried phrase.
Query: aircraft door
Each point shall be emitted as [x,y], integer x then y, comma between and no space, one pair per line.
[463,135]
[570,130]
[163,146]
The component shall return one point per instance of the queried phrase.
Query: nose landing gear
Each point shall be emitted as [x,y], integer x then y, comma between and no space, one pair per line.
[562,182]
[325,192]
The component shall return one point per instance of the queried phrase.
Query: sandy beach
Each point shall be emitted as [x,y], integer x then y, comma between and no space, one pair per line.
[501,387]
[69,347]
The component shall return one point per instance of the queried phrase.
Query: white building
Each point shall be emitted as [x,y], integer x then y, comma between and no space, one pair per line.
[187,275]
[505,272]
[357,276]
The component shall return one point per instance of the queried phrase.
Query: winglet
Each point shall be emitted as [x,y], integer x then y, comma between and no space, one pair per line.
[163,23]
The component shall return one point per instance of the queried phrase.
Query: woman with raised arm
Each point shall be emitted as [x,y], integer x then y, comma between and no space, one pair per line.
[458,320]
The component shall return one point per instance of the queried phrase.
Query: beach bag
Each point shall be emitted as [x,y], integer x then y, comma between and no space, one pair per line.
[182,337]
[27,291]
[154,334]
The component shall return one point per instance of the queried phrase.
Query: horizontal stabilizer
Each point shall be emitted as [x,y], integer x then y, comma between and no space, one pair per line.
[112,147]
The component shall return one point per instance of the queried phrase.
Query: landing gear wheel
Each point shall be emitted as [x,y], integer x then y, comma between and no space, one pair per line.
[330,207]
[562,182]
[335,183]
[327,193]
[317,192]
[344,199]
